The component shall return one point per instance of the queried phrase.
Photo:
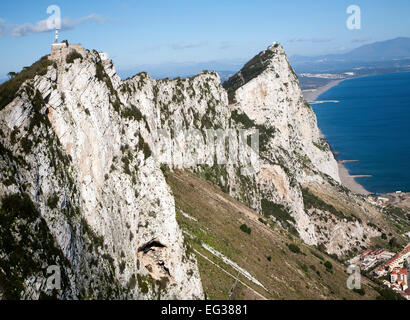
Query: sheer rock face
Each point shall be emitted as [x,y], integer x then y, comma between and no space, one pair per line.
[268,92]
[267,95]
[92,166]
[117,190]
[271,96]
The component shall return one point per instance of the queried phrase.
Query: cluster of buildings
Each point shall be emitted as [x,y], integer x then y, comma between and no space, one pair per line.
[369,259]
[398,280]
[378,200]
[59,50]
[386,263]
[395,262]
[323,75]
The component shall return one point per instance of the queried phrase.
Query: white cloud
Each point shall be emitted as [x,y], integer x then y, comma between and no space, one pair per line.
[360,40]
[225,45]
[315,40]
[187,45]
[177,45]
[41,26]
[3,29]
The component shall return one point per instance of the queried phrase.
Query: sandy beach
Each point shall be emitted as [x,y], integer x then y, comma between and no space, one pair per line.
[347,180]
[313,95]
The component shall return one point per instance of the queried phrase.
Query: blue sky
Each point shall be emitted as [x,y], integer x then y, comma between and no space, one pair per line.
[150,32]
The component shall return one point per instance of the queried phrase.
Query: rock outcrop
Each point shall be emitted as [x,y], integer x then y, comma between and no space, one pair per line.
[83,151]
[89,174]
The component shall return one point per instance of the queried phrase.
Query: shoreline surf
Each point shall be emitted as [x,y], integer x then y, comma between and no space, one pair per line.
[311,96]
[346,179]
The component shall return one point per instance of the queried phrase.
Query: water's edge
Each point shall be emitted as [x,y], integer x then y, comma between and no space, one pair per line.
[336,93]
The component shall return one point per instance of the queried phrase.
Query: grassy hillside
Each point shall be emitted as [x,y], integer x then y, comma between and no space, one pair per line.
[284,266]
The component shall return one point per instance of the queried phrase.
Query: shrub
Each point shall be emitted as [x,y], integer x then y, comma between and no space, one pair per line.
[126,162]
[52,201]
[245,229]
[304,268]
[321,146]
[11,74]
[243,118]
[132,113]
[359,291]
[317,255]
[72,56]
[132,282]
[328,265]
[100,72]
[261,220]
[122,266]
[393,243]
[311,201]
[388,294]
[294,248]
[142,145]
[142,284]
[26,144]
[270,208]
[9,88]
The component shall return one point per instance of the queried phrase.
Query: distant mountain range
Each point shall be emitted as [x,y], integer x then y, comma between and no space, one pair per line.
[393,53]
[378,57]
[225,68]
[398,48]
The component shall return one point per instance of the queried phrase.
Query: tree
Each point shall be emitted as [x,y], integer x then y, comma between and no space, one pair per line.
[393,243]
[294,248]
[245,229]
[328,265]
[360,291]
[11,74]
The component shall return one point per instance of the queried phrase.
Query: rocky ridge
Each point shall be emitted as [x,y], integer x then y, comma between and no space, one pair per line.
[83,150]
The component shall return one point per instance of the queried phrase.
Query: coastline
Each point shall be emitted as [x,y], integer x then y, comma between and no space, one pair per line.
[346,179]
[350,182]
[313,95]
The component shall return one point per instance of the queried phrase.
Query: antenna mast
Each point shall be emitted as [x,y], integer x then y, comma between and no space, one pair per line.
[56,39]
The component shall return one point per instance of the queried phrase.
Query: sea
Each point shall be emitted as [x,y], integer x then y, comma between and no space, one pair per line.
[368,121]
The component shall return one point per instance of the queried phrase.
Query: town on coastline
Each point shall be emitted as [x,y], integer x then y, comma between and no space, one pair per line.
[390,268]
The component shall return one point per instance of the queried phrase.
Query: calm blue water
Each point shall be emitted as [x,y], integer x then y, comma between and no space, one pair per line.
[371,123]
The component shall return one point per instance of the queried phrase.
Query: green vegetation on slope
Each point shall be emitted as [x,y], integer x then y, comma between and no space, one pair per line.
[210,217]
[265,133]
[9,88]
[72,56]
[22,231]
[312,201]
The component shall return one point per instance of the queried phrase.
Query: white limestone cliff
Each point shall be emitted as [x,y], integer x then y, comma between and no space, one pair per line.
[121,192]
[86,148]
